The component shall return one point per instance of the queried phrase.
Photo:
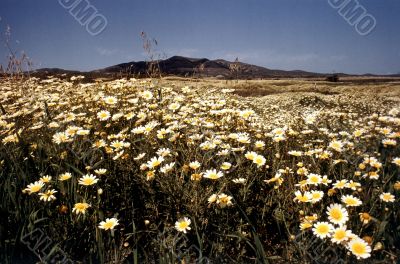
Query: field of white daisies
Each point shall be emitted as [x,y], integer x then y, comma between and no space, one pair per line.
[137,171]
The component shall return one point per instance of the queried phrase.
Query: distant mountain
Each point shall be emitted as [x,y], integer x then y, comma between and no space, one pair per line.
[183,66]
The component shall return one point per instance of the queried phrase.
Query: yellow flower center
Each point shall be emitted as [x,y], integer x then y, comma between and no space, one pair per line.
[358,248]
[340,234]
[183,225]
[88,181]
[108,225]
[80,206]
[36,188]
[350,201]
[323,229]
[314,179]
[336,214]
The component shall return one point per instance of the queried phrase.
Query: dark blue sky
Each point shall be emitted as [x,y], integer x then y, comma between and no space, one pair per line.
[283,34]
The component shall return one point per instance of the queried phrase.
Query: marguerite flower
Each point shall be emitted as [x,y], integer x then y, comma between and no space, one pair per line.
[34,187]
[194,165]
[45,179]
[154,162]
[103,115]
[224,200]
[336,145]
[100,171]
[88,179]
[359,248]
[304,198]
[314,179]
[213,174]
[251,155]
[337,214]
[387,197]
[110,100]
[226,166]
[109,224]
[212,199]
[239,180]
[48,195]
[350,200]
[61,137]
[183,224]
[259,160]
[65,176]
[147,95]
[340,234]
[396,161]
[322,229]
[316,196]
[80,208]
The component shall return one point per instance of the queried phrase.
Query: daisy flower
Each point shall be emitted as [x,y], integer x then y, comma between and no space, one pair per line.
[147,95]
[316,196]
[174,106]
[48,195]
[340,235]
[167,168]
[251,155]
[163,152]
[336,145]
[353,185]
[213,174]
[259,160]
[194,165]
[65,176]
[359,248]
[103,115]
[212,199]
[88,179]
[314,179]
[340,184]
[295,153]
[110,100]
[224,200]
[154,162]
[387,197]
[259,144]
[365,217]
[396,161]
[183,224]
[325,181]
[226,166]
[140,156]
[34,187]
[100,171]
[350,200]
[108,224]
[45,179]
[60,137]
[322,229]
[239,180]
[80,208]
[304,198]
[337,214]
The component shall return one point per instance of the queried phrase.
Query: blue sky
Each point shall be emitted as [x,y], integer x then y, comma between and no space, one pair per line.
[280,34]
